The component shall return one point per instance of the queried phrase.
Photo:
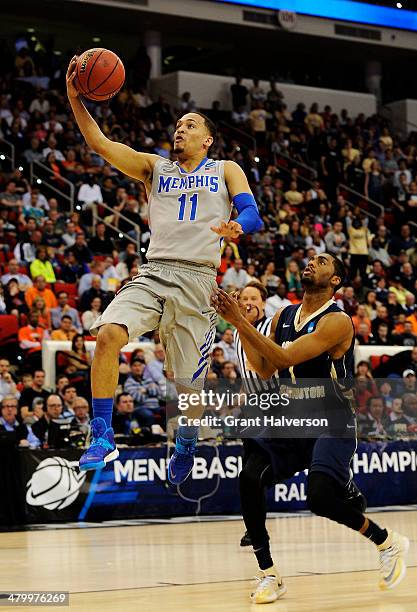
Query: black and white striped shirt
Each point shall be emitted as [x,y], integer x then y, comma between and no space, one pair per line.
[251,381]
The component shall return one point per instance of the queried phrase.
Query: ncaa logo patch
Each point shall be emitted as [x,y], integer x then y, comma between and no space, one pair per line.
[55,484]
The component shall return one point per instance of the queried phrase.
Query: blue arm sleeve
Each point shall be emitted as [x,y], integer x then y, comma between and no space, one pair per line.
[248,217]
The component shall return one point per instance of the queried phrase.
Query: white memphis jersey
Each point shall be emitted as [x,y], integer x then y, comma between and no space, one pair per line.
[182,208]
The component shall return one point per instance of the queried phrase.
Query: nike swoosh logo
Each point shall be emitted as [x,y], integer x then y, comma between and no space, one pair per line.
[351,426]
[391,574]
[286,325]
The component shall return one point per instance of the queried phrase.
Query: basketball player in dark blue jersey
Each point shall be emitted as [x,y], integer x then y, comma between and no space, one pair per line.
[311,340]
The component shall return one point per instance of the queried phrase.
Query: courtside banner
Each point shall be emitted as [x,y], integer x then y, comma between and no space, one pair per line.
[135,485]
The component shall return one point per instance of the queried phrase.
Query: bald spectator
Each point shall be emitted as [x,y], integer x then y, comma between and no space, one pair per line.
[23,280]
[81,418]
[155,368]
[39,289]
[52,412]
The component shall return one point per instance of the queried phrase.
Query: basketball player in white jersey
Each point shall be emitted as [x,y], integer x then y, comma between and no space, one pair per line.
[190,203]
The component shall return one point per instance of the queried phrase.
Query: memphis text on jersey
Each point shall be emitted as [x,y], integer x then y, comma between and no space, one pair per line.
[168,184]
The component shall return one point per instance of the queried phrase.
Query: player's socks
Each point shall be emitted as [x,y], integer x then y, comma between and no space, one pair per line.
[373,532]
[270,586]
[263,556]
[187,432]
[103,408]
[392,565]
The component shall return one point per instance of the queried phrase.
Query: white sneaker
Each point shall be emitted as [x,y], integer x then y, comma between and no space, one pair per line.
[270,587]
[392,565]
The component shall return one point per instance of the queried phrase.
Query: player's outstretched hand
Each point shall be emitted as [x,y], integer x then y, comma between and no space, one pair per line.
[227,305]
[71,89]
[232,229]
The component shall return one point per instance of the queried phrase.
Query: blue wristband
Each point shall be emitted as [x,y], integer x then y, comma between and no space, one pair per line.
[247,208]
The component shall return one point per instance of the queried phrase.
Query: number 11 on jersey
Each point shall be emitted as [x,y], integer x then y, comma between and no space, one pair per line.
[183,203]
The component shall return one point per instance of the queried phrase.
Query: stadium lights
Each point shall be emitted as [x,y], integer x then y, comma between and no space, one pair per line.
[142,250]
[96,39]
[38,181]
[30,30]
[20,168]
[78,207]
[120,235]
[57,52]
[33,38]
[399,5]
[2,157]
[256,159]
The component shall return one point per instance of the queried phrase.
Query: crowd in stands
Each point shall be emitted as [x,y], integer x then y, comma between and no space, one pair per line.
[59,270]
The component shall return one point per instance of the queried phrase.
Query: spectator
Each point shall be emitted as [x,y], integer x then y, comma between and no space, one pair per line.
[293,276]
[217,360]
[52,412]
[293,195]
[101,243]
[34,391]
[94,292]
[70,234]
[313,120]
[7,384]
[89,317]
[124,420]
[42,266]
[409,381]
[96,269]
[61,382]
[155,368]
[14,299]
[30,339]
[228,346]
[69,395]
[80,248]
[13,272]
[239,94]
[145,393]
[375,421]
[81,420]
[235,277]
[269,279]
[39,288]
[278,301]
[90,193]
[336,240]
[382,337]
[361,316]
[358,247]
[78,359]
[229,378]
[406,338]
[63,308]
[350,303]
[9,422]
[44,315]
[65,331]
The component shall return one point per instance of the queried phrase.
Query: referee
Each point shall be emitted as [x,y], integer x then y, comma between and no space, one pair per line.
[252,299]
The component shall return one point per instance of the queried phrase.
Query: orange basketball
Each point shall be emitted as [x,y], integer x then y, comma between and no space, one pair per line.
[99,74]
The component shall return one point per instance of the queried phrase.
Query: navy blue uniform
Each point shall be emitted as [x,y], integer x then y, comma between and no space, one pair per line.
[332,451]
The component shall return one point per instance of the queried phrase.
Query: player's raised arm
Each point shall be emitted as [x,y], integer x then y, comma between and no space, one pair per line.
[332,330]
[124,158]
[240,193]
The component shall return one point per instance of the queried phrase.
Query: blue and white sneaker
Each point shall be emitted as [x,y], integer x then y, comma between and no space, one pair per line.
[181,463]
[102,448]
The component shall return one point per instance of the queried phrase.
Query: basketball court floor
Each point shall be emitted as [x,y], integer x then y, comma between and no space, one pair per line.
[198,566]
